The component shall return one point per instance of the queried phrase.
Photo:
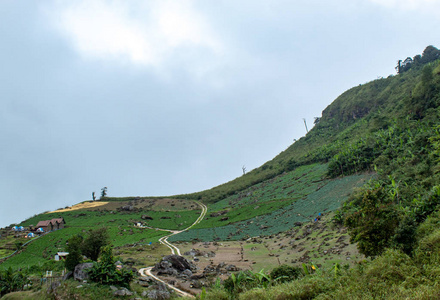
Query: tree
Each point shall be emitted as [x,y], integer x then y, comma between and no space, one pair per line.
[93,196]
[105,271]
[430,53]
[94,242]
[374,222]
[74,245]
[103,192]
[244,169]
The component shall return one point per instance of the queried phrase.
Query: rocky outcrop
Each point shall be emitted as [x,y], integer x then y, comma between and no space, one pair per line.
[81,271]
[174,265]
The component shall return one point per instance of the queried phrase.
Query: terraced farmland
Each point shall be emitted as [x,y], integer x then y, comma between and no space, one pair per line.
[308,194]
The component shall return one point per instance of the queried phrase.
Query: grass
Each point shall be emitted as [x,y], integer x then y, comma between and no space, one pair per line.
[36,253]
[175,220]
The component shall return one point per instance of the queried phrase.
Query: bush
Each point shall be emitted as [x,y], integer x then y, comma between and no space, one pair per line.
[105,271]
[74,248]
[428,251]
[285,273]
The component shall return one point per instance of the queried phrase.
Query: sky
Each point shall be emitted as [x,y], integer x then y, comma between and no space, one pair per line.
[157,98]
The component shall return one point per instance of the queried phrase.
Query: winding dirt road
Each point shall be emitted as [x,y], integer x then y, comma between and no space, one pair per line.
[174,250]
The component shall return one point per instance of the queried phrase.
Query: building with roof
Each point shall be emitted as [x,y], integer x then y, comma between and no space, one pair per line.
[51,225]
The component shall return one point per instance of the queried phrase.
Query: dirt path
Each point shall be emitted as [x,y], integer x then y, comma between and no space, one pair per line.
[174,250]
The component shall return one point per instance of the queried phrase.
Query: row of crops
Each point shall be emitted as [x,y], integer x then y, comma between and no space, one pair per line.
[326,197]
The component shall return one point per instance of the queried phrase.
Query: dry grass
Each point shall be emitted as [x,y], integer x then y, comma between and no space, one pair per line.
[83,205]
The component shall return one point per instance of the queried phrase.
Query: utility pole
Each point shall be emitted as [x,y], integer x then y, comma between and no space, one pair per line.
[305,124]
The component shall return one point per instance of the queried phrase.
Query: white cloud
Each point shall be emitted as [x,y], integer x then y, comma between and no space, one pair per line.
[138,32]
[423,5]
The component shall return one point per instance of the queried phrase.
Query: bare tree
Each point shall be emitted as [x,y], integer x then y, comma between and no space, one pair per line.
[244,169]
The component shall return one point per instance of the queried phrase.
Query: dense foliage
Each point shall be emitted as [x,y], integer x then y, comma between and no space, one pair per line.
[11,281]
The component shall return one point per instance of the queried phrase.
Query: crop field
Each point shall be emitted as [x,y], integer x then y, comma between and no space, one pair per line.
[267,197]
[316,197]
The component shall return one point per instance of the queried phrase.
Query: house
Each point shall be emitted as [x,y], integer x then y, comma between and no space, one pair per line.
[61,256]
[45,225]
[58,223]
[51,225]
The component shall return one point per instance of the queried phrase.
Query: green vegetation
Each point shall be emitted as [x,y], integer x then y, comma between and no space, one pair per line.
[317,197]
[106,272]
[372,163]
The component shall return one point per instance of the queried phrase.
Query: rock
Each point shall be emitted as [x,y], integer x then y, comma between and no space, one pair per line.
[127,208]
[67,275]
[113,288]
[122,293]
[197,276]
[146,217]
[145,281]
[81,273]
[218,213]
[232,268]
[224,219]
[187,272]
[179,263]
[297,224]
[160,292]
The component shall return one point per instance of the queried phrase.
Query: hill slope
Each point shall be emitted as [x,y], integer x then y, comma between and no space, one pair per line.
[371,163]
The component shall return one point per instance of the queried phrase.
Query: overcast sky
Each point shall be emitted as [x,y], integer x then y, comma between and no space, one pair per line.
[165,97]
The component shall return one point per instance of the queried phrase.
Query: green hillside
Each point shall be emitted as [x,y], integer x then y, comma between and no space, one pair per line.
[368,171]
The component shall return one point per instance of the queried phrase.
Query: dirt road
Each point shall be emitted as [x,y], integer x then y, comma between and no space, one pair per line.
[174,250]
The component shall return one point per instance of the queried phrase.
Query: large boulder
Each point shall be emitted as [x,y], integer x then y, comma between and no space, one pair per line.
[81,271]
[179,263]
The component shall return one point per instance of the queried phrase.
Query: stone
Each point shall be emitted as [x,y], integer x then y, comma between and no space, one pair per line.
[81,273]
[145,281]
[122,293]
[160,292]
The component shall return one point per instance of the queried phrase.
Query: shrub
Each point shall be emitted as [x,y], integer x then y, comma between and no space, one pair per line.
[105,271]
[428,251]
[285,273]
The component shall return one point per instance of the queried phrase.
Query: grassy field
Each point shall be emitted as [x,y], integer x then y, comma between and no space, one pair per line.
[175,220]
[161,213]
